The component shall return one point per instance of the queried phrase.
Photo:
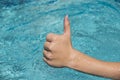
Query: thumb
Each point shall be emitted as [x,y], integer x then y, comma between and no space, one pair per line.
[66,26]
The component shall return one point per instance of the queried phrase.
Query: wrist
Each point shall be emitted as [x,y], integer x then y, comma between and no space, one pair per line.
[72,58]
[80,61]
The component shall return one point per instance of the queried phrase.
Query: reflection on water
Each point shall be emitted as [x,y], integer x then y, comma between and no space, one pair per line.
[23,28]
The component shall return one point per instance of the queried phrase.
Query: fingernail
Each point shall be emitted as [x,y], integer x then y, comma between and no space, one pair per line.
[67,16]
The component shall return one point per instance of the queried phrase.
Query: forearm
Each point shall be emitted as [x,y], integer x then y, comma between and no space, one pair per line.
[58,52]
[90,65]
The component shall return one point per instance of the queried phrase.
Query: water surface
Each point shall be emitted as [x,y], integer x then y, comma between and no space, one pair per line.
[95,26]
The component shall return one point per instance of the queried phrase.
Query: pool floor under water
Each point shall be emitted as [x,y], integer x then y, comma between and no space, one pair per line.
[95,27]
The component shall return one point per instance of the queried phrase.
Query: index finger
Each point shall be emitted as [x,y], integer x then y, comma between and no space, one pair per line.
[50,37]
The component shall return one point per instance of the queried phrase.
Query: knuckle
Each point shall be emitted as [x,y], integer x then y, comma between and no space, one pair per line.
[50,47]
[45,60]
[50,34]
[48,61]
[48,54]
[55,38]
[44,52]
[46,45]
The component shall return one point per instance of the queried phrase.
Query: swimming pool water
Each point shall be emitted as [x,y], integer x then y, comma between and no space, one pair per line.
[95,26]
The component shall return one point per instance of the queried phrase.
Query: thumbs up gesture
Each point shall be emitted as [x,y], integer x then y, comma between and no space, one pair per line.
[58,52]
[58,48]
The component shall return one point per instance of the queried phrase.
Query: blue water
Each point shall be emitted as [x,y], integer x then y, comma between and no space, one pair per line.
[95,26]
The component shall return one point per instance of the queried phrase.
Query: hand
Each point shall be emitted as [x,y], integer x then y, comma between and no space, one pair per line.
[58,52]
[58,48]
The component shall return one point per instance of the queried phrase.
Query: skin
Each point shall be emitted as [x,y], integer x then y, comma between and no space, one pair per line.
[58,52]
